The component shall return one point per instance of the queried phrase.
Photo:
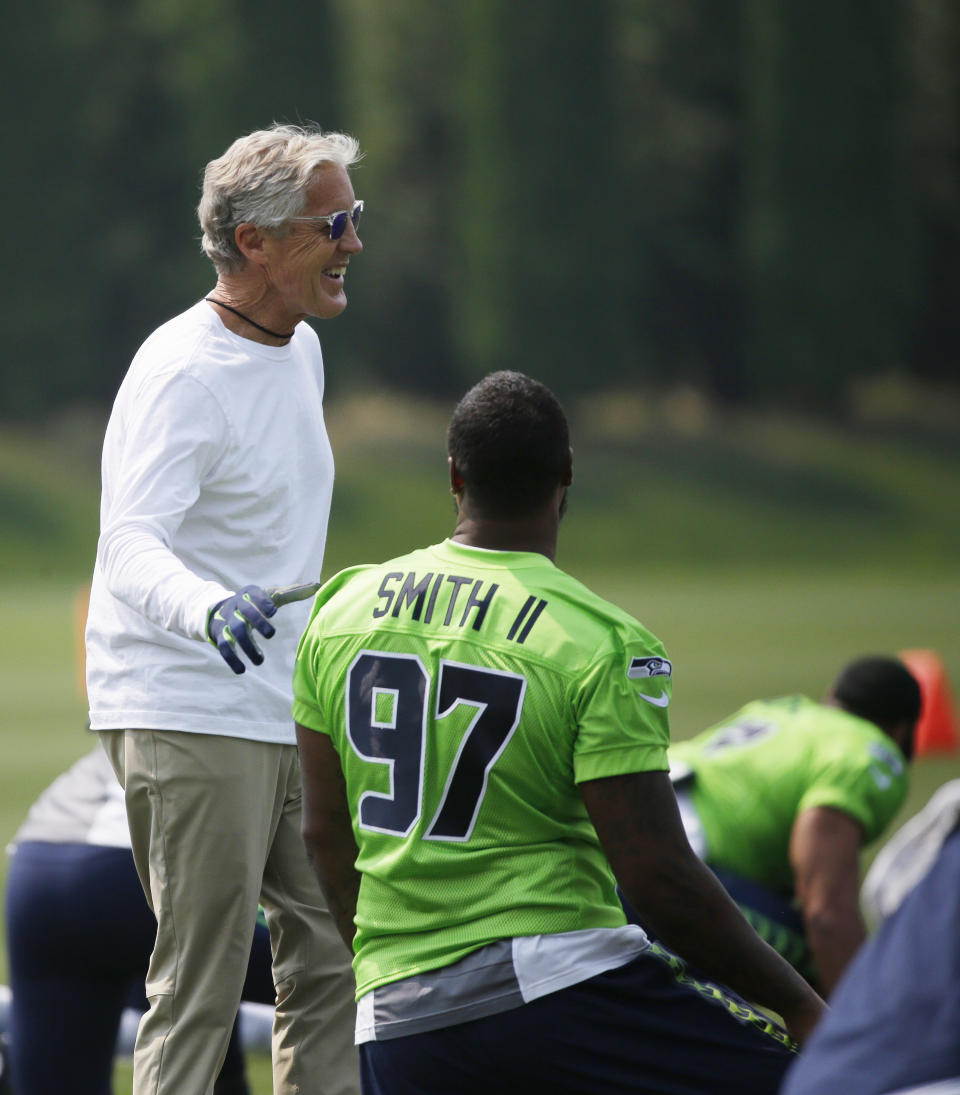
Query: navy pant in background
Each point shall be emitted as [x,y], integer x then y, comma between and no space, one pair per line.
[79,937]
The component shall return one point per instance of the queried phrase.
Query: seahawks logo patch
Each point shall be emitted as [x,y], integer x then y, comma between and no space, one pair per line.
[649,667]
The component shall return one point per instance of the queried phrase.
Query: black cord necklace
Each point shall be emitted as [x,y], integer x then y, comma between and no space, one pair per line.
[247,319]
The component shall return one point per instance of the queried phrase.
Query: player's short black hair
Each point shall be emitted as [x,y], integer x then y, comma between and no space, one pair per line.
[510,441]
[880,689]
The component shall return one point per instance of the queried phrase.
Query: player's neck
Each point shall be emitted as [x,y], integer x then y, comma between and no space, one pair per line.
[502,534]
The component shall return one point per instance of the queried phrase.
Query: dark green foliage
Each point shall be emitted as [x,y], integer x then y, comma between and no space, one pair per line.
[757,198]
[831,259]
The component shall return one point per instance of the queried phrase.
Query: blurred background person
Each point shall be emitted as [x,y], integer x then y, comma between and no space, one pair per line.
[781,797]
[79,935]
[909,853]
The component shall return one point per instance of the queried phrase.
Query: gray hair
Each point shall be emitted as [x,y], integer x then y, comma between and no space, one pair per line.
[262,179]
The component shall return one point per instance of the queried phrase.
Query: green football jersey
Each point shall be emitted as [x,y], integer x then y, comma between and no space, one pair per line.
[467,692]
[757,771]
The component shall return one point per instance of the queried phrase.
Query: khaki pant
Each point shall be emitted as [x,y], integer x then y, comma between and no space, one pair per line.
[215,828]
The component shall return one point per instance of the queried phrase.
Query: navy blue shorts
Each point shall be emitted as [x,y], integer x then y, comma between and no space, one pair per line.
[646,1027]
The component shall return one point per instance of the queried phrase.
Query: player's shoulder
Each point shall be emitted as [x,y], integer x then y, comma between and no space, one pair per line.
[523,600]
[759,724]
[840,742]
[822,727]
[603,614]
[838,727]
[358,583]
[585,627]
[346,583]
[780,712]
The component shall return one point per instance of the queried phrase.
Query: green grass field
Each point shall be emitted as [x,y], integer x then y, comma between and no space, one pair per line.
[763,552]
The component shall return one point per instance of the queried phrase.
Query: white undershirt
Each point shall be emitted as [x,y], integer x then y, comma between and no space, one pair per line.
[494,979]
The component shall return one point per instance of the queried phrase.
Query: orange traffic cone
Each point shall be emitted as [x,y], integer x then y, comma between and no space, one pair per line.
[937,727]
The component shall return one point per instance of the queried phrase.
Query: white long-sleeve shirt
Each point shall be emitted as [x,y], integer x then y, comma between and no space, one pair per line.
[217,473]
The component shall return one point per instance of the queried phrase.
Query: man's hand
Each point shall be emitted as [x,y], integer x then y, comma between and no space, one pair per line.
[231,622]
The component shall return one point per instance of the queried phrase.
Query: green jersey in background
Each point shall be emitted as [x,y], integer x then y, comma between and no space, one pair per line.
[757,771]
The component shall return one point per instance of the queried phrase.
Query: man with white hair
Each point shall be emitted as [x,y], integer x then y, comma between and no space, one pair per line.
[217,481]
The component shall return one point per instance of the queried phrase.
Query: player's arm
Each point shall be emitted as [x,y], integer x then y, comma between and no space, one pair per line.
[639,827]
[155,474]
[825,857]
[327,829]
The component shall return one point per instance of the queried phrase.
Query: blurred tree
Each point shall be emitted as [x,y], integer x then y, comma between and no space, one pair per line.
[678,113]
[400,66]
[933,136]
[125,101]
[758,198]
[47,210]
[543,208]
[829,231]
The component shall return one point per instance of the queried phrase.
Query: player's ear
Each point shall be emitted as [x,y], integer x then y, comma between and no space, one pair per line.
[904,734]
[456,479]
[568,470]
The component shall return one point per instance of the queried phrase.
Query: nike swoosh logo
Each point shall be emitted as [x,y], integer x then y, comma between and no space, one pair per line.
[662,700]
